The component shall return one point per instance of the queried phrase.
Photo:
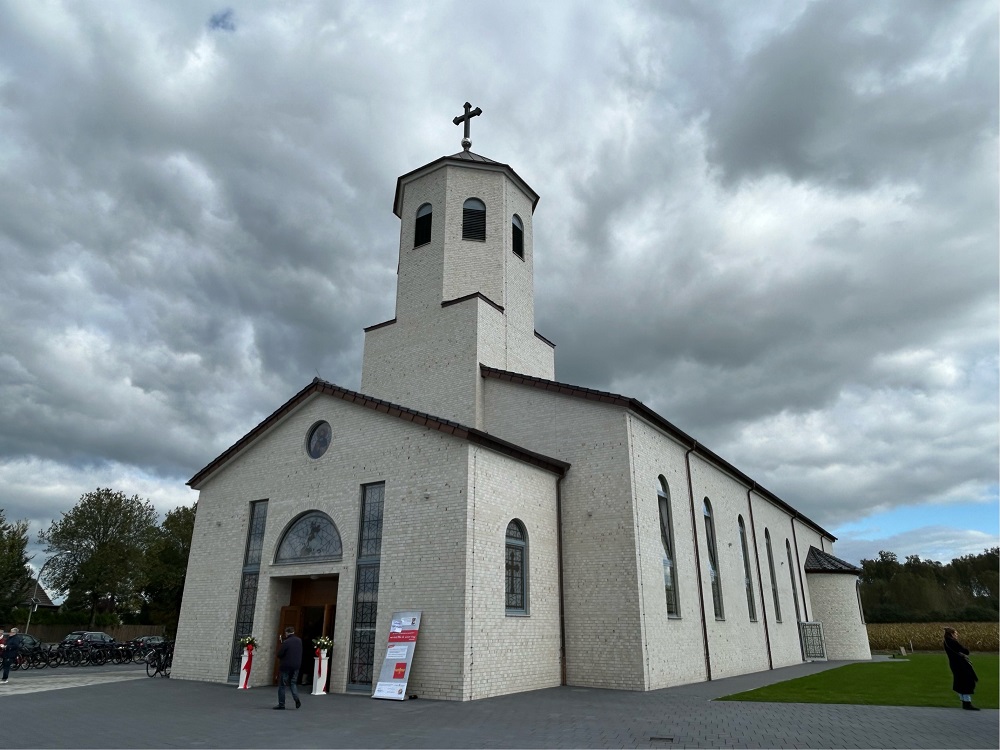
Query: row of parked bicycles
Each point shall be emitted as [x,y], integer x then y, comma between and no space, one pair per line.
[84,648]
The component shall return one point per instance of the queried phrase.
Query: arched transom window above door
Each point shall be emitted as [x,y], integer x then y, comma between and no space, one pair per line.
[312,537]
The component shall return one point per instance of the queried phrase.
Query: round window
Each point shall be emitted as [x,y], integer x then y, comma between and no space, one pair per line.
[319,439]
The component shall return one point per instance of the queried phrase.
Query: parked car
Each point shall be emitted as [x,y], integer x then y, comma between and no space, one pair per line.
[147,641]
[85,637]
[30,644]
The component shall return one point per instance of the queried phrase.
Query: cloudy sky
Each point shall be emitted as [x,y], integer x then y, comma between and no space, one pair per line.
[775,223]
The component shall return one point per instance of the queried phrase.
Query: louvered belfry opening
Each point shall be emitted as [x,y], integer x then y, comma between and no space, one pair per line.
[474,220]
[422,230]
[517,236]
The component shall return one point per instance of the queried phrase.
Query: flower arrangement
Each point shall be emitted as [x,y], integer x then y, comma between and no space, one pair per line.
[323,642]
[248,641]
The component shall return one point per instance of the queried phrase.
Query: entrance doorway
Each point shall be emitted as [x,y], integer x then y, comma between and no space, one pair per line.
[312,611]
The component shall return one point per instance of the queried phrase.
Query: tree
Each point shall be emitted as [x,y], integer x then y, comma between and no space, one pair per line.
[15,575]
[99,546]
[166,566]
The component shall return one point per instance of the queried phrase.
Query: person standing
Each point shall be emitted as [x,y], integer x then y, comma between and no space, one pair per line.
[289,662]
[10,652]
[964,677]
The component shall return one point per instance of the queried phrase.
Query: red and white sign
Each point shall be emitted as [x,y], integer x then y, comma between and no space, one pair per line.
[395,672]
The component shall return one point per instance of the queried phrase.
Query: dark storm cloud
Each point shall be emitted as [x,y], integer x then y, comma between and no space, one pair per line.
[776,226]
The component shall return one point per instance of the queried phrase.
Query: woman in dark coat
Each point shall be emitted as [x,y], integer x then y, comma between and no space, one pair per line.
[965,678]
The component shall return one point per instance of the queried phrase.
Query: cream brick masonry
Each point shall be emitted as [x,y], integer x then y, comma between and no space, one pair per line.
[461,420]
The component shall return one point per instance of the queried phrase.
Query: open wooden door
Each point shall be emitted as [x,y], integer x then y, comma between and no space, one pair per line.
[289,616]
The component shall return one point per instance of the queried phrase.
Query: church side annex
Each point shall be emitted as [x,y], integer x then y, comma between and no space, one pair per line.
[549,534]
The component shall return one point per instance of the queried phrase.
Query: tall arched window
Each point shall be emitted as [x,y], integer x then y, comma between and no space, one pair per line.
[791,573]
[516,569]
[312,537]
[667,538]
[474,220]
[713,561]
[774,581]
[422,230]
[747,577]
[517,236]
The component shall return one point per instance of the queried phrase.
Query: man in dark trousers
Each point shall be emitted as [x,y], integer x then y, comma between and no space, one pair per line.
[289,661]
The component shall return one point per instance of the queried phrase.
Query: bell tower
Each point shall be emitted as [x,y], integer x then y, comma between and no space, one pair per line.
[464,290]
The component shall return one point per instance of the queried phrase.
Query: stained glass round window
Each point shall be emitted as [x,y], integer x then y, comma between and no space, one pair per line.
[312,538]
[319,439]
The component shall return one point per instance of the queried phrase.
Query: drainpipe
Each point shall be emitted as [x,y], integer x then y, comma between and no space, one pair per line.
[760,579]
[697,562]
[562,592]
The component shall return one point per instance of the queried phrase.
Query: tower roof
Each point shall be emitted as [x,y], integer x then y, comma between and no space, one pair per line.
[466,159]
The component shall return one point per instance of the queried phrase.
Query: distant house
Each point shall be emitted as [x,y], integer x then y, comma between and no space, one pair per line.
[37,591]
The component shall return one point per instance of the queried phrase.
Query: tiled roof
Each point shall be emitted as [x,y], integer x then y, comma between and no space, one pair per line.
[394,410]
[469,156]
[675,432]
[818,561]
[42,595]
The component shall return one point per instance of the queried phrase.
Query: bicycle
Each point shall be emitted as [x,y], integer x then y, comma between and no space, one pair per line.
[159,660]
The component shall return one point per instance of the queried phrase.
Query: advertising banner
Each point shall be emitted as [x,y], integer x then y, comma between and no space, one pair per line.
[395,672]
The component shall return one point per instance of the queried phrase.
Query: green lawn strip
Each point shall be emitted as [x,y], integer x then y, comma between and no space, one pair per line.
[919,680]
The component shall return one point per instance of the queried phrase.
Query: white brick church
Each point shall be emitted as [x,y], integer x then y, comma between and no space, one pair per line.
[549,534]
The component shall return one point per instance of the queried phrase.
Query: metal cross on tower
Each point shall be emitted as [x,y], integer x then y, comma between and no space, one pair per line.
[469,114]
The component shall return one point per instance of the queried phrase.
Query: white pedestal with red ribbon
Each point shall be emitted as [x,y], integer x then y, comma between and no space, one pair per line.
[321,667]
[246,662]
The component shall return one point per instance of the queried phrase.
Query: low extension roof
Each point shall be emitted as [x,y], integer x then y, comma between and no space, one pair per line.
[641,409]
[394,410]
[462,159]
[818,561]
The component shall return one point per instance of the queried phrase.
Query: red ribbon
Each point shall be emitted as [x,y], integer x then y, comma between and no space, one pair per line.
[317,651]
[249,649]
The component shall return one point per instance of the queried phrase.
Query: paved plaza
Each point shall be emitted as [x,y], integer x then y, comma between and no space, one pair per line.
[119,707]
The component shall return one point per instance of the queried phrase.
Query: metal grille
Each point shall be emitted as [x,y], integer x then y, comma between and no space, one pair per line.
[255,534]
[244,618]
[365,620]
[361,668]
[248,584]
[515,577]
[812,640]
[370,545]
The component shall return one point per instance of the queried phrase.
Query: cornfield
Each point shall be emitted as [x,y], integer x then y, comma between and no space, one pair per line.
[929,636]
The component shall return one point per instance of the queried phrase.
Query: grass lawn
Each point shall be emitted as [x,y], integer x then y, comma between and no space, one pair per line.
[917,680]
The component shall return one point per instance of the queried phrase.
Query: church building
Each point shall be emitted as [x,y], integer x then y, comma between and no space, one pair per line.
[549,534]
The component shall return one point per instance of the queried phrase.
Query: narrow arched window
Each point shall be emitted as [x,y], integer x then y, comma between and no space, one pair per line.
[517,236]
[791,573]
[774,581]
[747,577]
[713,561]
[474,220]
[516,569]
[667,538]
[422,230]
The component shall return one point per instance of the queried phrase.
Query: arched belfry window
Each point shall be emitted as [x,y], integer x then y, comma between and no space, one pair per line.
[474,220]
[713,561]
[517,236]
[422,230]
[516,569]
[667,539]
[312,537]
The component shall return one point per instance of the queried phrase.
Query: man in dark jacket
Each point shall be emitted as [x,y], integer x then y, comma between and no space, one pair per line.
[289,661]
[13,646]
